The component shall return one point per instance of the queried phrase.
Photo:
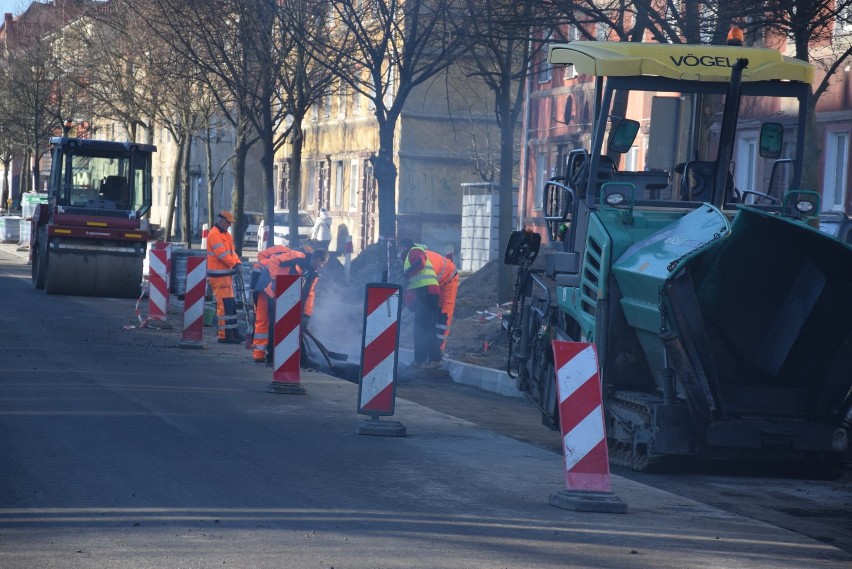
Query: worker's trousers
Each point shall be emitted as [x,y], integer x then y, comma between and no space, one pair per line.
[226,306]
[446,307]
[427,344]
[262,317]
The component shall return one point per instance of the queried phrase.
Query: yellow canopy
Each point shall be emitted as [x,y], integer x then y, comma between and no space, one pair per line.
[678,61]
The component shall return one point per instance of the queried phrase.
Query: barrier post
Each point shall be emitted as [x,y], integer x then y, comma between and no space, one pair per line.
[287,327]
[581,421]
[167,247]
[158,285]
[379,356]
[193,303]
[205,231]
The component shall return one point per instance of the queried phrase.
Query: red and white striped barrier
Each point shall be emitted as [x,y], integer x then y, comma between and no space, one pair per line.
[286,354]
[193,303]
[581,421]
[379,355]
[167,247]
[158,284]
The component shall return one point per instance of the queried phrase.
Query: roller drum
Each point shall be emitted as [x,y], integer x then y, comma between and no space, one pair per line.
[93,273]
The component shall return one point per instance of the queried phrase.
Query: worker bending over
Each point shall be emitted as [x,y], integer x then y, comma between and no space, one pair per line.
[422,294]
[222,264]
[271,262]
[448,283]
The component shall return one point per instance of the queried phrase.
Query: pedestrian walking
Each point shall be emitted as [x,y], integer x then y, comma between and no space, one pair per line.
[321,231]
[222,264]
[422,294]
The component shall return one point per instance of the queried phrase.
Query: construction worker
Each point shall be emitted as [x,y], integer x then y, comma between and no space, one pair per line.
[448,283]
[280,260]
[422,294]
[222,263]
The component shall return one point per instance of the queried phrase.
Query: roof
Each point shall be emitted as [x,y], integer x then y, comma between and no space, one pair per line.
[678,61]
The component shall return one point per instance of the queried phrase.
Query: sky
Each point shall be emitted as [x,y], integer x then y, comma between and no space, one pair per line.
[14,6]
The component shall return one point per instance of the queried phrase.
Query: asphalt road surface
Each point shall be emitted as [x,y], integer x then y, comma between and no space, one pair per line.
[118,449]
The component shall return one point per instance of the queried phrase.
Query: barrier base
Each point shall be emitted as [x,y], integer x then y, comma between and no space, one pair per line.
[159,324]
[380,428]
[191,344]
[286,388]
[581,501]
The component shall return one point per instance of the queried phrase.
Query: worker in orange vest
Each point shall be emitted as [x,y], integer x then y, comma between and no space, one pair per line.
[280,260]
[222,264]
[448,282]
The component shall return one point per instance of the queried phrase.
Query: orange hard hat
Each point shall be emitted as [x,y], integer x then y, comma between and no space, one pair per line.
[227,216]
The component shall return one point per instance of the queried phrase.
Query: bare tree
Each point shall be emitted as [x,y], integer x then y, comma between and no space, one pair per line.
[501,52]
[810,25]
[40,92]
[390,47]
[230,44]
[303,81]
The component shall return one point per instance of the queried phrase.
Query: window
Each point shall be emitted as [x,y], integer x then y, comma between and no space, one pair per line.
[836,171]
[312,183]
[354,185]
[357,98]
[545,70]
[338,184]
[540,178]
[341,101]
[326,107]
[746,164]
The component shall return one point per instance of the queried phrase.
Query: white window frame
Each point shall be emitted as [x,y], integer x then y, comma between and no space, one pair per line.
[744,176]
[310,195]
[836,176]
[540,178]
[338,184]
[354,184]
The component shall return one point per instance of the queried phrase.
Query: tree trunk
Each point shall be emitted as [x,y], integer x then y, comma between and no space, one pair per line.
[238,197]
[186,195]
[505,284]
[173,191]
[294,183]
[211,183]
[385,172]
[4,196]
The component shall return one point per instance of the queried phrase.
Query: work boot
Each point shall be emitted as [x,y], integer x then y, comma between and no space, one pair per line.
[230,338]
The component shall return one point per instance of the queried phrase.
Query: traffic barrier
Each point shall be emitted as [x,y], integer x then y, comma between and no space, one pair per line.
[379,356]
[158,288]
[286,353]
[205,231]
[193,303]
[581,421]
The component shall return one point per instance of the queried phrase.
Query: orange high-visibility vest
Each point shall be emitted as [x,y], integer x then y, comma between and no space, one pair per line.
[221,257]
[291,262]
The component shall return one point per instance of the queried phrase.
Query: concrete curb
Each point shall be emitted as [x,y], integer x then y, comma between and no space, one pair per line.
[487,379]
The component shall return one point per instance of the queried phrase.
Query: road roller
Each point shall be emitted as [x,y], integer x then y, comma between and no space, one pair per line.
[90,238]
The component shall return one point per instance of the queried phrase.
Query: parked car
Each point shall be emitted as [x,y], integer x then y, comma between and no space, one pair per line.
[282,229]
[252,223]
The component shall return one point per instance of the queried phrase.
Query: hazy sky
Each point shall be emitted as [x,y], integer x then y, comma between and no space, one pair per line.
[14,6]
